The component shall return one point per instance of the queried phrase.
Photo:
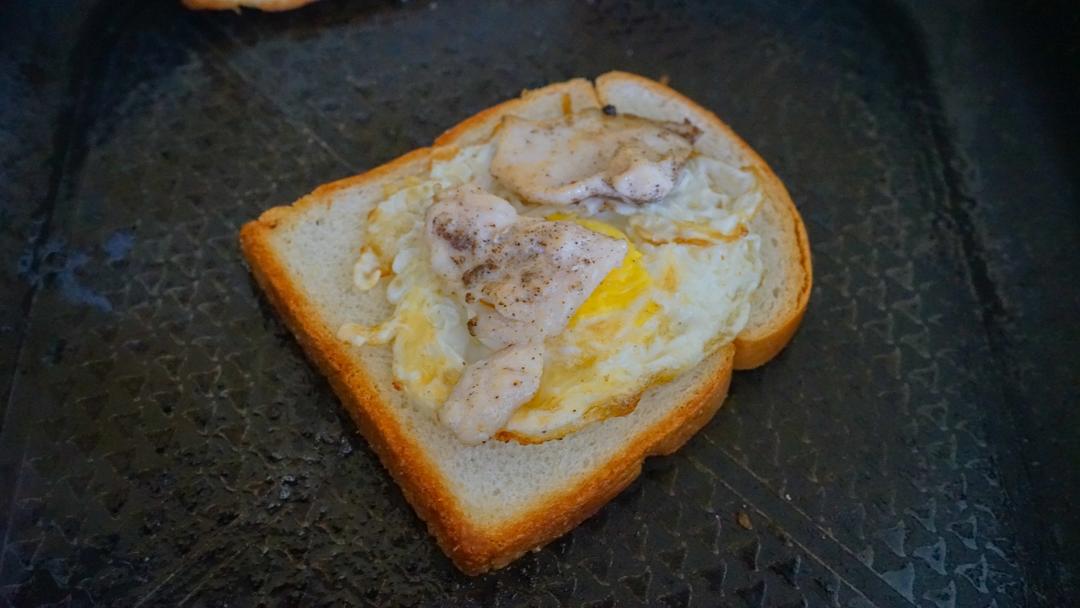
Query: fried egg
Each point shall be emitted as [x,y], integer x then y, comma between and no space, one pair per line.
[681,292]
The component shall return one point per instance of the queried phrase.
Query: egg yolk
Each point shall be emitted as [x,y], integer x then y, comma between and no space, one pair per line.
[602,315]
[622,285]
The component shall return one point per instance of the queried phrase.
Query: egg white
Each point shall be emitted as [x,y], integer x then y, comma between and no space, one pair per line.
[702,264]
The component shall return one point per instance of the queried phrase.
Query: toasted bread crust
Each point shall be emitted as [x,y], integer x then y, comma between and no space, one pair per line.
[263,5]
[474,549]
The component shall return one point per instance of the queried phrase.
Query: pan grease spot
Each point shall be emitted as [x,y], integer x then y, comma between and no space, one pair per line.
[118,245]
[55,262]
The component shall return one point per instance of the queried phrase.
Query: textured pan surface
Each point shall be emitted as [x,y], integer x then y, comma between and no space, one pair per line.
[164,441]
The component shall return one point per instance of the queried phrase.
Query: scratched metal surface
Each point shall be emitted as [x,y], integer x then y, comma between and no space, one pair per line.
[164,441]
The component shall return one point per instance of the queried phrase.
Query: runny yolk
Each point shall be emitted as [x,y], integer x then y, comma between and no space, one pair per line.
[622,285]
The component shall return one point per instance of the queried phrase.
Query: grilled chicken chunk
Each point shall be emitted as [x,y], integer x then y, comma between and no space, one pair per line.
[532,273]
[492,389]
[591,155]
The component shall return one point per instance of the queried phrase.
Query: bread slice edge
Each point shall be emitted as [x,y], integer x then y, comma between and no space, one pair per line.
[263,5]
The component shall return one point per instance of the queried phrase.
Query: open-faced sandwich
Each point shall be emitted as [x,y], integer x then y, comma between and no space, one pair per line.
[559,287]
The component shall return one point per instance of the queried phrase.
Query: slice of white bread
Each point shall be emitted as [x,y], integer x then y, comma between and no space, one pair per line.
[488,504]
[263,5]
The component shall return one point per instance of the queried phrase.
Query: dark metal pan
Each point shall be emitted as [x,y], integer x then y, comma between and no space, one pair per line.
[164,441]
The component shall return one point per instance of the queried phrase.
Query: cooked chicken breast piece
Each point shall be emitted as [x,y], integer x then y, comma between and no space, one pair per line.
[491,390]
[591,155]
[521,279]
